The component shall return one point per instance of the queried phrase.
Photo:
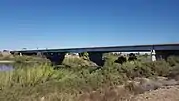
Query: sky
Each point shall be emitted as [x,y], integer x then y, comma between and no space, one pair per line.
[43,24]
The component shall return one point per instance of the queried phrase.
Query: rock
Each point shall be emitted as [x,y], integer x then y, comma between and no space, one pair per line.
[160,78]
[176,77]
[144,84]
[147,86]
[170,82]
[42,98]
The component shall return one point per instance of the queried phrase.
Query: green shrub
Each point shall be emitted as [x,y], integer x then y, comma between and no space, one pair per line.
[30,61]
[136,69]
[77,63]
[147,69]
[173,60]
[160,68]
[109,60]
[174,72]
[85,55]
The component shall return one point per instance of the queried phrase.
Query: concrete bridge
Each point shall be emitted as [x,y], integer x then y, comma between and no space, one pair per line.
[158,51]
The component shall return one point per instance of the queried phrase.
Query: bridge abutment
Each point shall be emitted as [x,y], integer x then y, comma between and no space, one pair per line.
[96,57]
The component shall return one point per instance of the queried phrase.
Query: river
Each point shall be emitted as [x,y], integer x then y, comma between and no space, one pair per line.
[6,67]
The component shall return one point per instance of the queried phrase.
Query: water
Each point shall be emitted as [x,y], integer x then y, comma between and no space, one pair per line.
[6,67]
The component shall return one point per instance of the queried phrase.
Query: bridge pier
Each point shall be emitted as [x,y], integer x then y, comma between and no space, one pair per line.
[20,54]
[96,57]
[153,55]
[39,54]
[55,57]
[164,54]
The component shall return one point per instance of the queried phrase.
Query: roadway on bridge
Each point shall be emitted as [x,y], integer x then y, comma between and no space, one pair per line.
[133,48]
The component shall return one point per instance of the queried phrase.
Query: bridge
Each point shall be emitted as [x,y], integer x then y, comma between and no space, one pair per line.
[95,53]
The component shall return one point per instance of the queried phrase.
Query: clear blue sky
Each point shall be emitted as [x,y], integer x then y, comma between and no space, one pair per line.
[85,23]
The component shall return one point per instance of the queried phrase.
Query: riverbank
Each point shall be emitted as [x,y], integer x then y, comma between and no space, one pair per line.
[76,78]
[6,61]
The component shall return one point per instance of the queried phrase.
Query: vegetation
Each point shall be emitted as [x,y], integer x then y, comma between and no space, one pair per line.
[37,80]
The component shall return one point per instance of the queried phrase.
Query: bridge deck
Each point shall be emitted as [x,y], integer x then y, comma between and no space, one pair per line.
[134,48]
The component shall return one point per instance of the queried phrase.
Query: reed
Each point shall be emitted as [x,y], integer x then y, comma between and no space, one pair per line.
[26,76]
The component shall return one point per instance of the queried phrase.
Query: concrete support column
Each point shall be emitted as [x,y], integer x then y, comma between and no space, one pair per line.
[96,57]
[39,54]
[20,54]
[164,54]
[153,55]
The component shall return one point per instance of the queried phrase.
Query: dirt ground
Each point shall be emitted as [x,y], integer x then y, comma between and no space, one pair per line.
[163,94]
[142,89]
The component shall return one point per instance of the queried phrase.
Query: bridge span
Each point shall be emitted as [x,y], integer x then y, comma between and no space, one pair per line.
[95,53]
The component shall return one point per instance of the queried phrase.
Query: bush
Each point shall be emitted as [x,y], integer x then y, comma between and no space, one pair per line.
[85,55]
[30,60]
[136,70]
[147,69]
[173,60]
[76,63]
[159,68]
[174,72]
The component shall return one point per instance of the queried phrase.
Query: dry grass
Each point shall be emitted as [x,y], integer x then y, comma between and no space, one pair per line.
[118,93]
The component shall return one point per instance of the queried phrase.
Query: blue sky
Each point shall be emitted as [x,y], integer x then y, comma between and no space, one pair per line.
[84,23]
